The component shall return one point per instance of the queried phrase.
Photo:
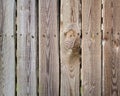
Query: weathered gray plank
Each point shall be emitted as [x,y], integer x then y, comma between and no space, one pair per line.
[48,49]
[70,26]
[91,48]
[26,47]
[111,45]
[7,48]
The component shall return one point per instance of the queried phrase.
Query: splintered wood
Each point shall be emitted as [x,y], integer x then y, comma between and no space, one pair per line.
[70,26]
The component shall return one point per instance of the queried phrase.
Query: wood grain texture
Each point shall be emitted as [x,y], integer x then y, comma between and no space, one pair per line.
[70,26]
[91,48]
[7,48]
[26,48]
[111,51]
[48,48]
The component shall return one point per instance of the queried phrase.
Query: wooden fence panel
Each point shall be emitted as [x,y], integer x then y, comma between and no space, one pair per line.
[111,51]
[91,48]
[100,54]
[26,48]
[7,48]
[70,27]
[48,48]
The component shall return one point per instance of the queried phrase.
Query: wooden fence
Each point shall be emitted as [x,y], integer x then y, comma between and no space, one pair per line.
[59,47]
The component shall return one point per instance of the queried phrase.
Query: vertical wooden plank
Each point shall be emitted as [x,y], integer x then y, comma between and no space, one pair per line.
[7,48]
[111,45]
[70,26]
[26,48]
[91,48]
[48,48]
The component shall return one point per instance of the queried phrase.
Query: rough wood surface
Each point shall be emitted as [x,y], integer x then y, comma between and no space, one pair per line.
[48,48]
[7,48]
[26,48]
[111,51]
[91,48]
[70,26]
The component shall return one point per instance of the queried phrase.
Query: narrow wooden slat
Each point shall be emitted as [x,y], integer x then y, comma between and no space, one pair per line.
[26,47]
[70,26]
[111,45]
[91,48]
[48,49]
[7,48]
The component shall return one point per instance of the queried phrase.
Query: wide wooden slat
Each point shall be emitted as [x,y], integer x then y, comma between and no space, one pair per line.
[26,47]
[111,45]
[91,48]
[70,26]
[48,48]
[7,48]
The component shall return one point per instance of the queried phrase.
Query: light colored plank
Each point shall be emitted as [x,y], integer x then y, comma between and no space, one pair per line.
[70,26]
[26,48]
[111,45]
[91,48]
[48,48]
[7,48]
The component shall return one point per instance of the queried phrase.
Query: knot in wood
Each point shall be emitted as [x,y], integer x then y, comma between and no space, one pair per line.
[116,42]
[72,38]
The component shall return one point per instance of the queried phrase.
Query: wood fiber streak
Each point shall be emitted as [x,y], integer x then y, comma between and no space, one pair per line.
[91,48]
[7,48]
[111,45]
[26,48]
[70,26]
[48,48]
